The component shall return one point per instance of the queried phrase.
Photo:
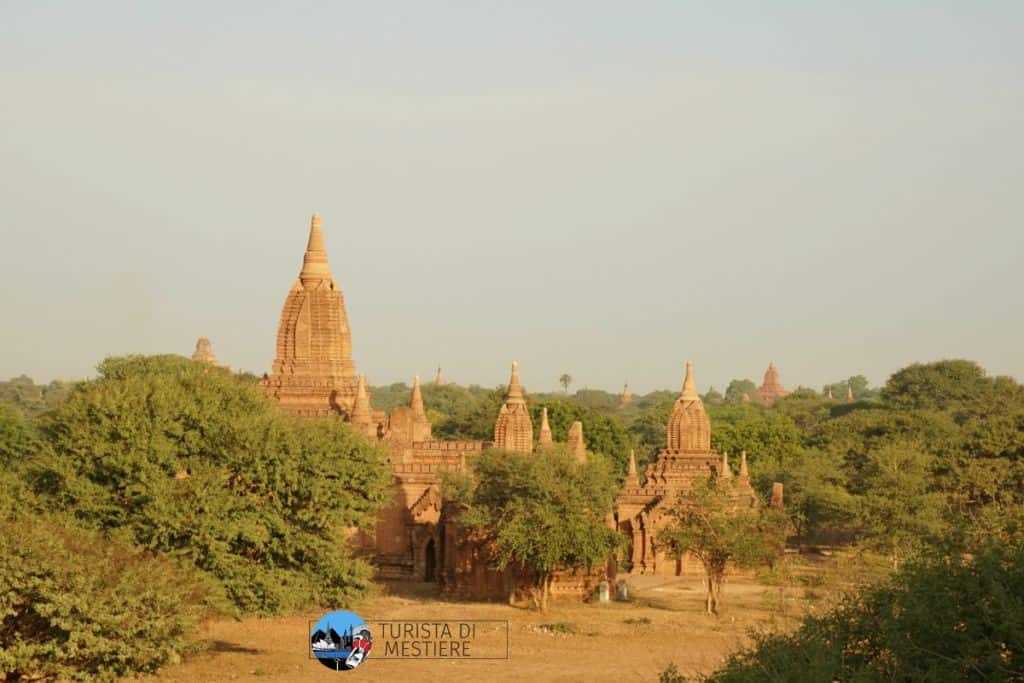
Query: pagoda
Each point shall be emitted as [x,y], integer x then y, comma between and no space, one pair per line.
[771,390]
[313,374]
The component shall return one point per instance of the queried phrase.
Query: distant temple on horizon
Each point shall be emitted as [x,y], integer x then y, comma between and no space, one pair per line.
[771,389]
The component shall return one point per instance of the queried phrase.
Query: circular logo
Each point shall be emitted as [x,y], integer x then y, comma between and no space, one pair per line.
[341,640]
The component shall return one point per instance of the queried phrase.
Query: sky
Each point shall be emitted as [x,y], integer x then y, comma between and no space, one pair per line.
[606,189]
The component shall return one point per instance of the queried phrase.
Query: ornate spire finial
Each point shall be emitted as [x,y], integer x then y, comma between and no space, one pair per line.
[515,391]
[726,473]
[544,439]
[689,392]
[744,474]
[416,402]
[314,261]
[631,472]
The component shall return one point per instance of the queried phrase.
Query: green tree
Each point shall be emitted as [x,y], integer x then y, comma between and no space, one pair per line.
[191,461]
[940,385]
[940,618]
[75,605]
[17,437]
[565,380]
[718,528]
[713,397]
[900,510]
[544,512]
[734,392]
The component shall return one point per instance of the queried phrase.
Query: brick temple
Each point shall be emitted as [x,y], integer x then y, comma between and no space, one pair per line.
[418,537]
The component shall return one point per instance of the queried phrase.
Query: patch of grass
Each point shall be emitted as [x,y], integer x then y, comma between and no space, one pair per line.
[637,621]
[565,627]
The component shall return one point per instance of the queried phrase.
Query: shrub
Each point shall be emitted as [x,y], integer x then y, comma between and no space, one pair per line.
[76,606]
[942,619]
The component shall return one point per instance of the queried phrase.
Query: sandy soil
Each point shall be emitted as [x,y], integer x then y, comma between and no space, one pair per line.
[604,648]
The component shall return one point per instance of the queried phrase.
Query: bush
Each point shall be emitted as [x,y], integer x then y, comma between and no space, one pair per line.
[192,461]
[76,606]
[937,620]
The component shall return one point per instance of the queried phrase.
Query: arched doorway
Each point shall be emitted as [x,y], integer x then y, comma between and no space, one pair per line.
[430,561]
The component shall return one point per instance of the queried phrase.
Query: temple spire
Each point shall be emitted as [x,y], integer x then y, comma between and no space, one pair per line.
[515,391]
[631,478]
[416,402]
[361,413]
[725,473]
[744,473]
[314,261]
[849,394]
[577,447]
[439,381]
[689,392]
[829,397]
[544,439]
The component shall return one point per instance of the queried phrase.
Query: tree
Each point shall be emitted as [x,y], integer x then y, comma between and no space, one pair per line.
[543,512]
[940,618]
[734,392]
[187,459]
[713,397]
[900,510]
[858,384]
[565,380]
[940,385]
[17,437]
[718,527]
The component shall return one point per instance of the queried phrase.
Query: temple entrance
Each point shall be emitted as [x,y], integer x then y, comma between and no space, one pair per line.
[430,561]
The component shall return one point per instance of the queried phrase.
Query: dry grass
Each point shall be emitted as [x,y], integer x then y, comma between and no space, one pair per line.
[571,642]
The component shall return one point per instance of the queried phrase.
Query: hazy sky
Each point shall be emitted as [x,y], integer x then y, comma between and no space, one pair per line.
[605,189]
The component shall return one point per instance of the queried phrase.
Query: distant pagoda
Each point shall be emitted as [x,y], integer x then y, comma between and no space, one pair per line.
[771,390]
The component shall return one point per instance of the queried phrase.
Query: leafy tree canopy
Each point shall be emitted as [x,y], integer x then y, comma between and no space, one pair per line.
[189,460]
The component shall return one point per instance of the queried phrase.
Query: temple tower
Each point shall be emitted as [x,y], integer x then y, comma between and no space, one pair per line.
[440,381]
[421,427]
[625,398]
[361,416]
[771,389]
[544,438]
[688,426]
[313,374]
[577,447]
[513,430]
[204,351]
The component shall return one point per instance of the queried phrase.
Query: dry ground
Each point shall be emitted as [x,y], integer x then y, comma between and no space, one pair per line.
[605,647]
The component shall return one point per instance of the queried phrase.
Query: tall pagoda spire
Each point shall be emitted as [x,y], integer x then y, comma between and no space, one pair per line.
[314,261]
[688,426]
[849,394]
[744,473]
[544,439]
[439,380]
[513,430]
[631,478]
[416,401]
[313,374]
[724,472]
[771,389]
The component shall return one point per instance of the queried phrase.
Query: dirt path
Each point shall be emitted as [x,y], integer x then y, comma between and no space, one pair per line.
[665,625]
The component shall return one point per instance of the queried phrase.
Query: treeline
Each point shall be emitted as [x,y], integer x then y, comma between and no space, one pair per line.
[157,494]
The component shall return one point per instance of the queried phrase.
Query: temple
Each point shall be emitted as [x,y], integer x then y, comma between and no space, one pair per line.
[418,536]
[625,398]
[643,509]
[204,351]
[771,389]
[313,374]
